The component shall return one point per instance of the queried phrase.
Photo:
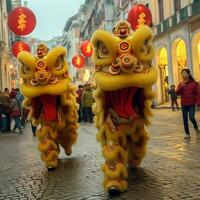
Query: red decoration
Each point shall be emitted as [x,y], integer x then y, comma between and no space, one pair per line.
[21,21]
[86,48]
[18,47]
[139,15]
[78,61]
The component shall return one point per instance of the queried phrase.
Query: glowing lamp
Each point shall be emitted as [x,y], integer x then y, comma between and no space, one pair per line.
[139,15]
[21,21]
[86,48]
[18,47]
[78,61]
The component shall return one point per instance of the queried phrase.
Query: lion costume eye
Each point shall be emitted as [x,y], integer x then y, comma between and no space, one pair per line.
[102,50]
[144,50]
[25,69]
[59,63]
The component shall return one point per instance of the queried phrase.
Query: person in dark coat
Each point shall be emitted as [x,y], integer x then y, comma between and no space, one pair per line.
[188,90]
[173,97]
[34,129]
[15,111]
[6,109]
[78,99]
[86,102]
[20,99]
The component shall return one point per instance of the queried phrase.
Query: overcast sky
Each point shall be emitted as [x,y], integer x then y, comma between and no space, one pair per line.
[51,16]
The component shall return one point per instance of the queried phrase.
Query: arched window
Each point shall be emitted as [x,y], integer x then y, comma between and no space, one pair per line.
[164,75]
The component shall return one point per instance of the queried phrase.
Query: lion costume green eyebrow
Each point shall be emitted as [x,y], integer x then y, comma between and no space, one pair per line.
[123,98]
[51,98]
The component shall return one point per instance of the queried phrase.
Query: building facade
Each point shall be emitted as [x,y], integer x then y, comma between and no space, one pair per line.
[14,75]
[95,20]
[177,42]
[176,27]
[56,41]
[71,41]
[92,15]
[5,53]
[101,16]
[122,7]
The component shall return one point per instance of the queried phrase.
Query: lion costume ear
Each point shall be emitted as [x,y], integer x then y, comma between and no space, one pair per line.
[56,60]
[142,43]
[105,47]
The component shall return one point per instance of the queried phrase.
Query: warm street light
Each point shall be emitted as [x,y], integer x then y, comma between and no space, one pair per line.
[10,66]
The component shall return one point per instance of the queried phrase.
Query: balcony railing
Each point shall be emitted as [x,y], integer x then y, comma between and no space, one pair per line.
[174,19]
[159,28]
[180,16]
[124,2]
[166,24]
[196,8]
[184,13]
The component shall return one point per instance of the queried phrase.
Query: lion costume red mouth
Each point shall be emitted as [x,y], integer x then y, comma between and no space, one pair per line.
[127,102]
[45,105]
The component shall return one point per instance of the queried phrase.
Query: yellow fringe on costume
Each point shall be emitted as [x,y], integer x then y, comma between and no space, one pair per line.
[122,144]
[121,184]
[62,131]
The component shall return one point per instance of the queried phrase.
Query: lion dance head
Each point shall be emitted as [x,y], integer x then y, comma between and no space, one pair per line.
[50,97]
[124,76]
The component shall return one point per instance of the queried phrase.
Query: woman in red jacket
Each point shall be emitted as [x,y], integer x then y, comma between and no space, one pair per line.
[188,89]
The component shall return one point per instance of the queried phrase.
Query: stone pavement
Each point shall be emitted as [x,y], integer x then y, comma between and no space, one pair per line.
[170,170]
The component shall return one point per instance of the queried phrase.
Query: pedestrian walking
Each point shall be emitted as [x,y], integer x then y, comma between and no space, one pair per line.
[188,90]
[6,110]
[78,99]
[87,101]
[173,97]
[15,111]
[20,99]
[34,129]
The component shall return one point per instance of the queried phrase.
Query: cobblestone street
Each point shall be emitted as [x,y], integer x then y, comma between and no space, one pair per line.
[170,170]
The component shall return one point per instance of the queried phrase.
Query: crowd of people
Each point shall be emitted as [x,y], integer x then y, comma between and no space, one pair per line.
[188,89]
[85,101]
[11,108]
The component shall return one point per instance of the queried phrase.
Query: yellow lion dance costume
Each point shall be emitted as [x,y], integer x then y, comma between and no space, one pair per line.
[51,99]
[124,76]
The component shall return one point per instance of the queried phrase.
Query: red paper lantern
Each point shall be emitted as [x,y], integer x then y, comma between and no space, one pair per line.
[86,48]
[139,15]
[21,21]
[18,47]
[78,61]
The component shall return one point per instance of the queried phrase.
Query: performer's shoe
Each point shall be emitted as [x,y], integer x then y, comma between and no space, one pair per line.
[50,168]
[114,191]
[187,136]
